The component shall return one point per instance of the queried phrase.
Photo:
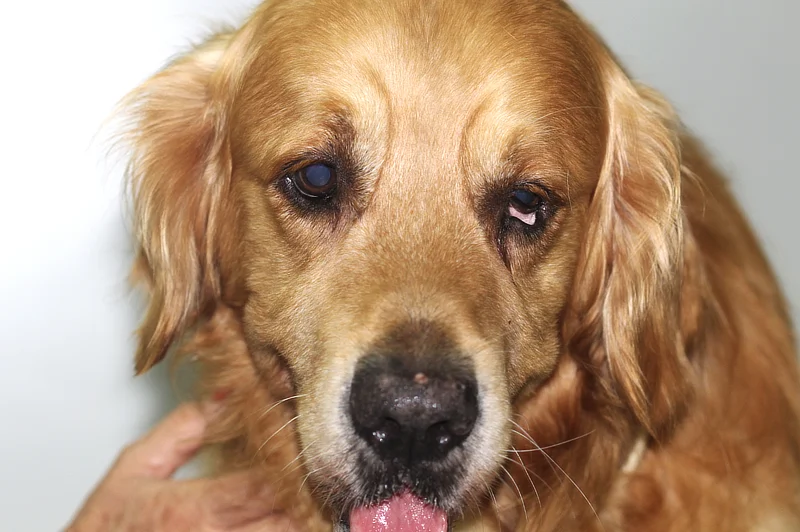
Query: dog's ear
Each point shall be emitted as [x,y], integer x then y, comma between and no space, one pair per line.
[178,171]
[626,302]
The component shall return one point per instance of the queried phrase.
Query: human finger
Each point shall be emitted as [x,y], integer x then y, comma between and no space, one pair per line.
[168,446]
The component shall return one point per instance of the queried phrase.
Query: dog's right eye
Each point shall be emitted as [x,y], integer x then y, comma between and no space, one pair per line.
[315,181]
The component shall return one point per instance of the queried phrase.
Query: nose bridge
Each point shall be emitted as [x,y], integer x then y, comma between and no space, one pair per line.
[429,237]
[420,250]
[421,215]
[428,255]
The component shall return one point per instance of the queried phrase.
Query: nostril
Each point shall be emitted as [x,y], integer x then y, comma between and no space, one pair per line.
[440,435]
[386,432]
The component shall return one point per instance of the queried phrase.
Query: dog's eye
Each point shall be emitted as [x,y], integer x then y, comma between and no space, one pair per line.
[317,180]
[525,206]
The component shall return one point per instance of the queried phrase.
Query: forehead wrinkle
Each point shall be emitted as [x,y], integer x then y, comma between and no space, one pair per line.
[380,128]
[383,97]
[489,139]
[330,109]
[525,134]
[467,156]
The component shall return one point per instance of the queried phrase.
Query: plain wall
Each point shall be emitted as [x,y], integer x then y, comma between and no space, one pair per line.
[68,401]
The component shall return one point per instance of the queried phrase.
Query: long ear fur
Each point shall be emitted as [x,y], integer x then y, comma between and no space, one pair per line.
[179,168]
[625,312]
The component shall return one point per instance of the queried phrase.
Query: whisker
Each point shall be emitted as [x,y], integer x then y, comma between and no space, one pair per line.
[461,510]
[298,465]
[495,504]
[276,433]
[527,474]
[278,403]
[305,478]
[585,498]
[553,462]
[301,453]
[267,409]
[526,435]
[295,459]
[327,498]
[550,446]
[519,492]
[532,472]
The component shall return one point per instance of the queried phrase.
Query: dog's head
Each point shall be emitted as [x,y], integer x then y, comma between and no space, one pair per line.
[420,209]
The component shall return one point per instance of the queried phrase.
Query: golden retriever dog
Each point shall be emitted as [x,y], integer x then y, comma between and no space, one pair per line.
[452,268]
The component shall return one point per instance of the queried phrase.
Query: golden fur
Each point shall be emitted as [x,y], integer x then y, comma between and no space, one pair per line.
[644,313]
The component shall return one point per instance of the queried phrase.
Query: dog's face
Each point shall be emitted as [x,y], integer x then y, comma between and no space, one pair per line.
[396,196]
[411,202]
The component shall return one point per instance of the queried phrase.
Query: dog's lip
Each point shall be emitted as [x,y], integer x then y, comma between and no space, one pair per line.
[343,524]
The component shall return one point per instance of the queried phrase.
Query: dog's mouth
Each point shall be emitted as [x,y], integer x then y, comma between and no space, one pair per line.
[403,512]
[410,440]
[399,497]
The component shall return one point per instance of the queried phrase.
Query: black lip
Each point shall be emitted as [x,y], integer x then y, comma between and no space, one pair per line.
[434,483]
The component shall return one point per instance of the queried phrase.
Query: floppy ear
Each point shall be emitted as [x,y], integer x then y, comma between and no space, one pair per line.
[626,301]
[178,172]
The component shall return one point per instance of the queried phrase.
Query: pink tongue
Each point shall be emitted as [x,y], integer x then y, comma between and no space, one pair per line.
[401,513]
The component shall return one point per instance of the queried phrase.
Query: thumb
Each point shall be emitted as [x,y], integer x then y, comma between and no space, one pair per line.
[168,446]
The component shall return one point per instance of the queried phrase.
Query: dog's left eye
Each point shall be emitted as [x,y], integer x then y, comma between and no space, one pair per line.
[317,180]
[525,206]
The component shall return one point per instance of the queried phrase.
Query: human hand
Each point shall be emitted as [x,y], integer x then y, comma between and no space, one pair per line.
[138,493]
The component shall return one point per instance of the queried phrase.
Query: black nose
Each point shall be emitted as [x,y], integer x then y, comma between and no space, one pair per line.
[409,411]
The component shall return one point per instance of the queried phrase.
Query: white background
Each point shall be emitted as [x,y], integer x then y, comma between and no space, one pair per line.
[68,401]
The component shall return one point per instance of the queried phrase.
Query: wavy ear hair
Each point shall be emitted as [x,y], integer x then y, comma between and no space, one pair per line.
[626,301]
[178,173]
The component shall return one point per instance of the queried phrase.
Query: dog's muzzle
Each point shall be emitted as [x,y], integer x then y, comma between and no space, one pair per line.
[412,405]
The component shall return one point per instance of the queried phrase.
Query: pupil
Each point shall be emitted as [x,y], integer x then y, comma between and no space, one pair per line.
[525,197]
[318,175]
